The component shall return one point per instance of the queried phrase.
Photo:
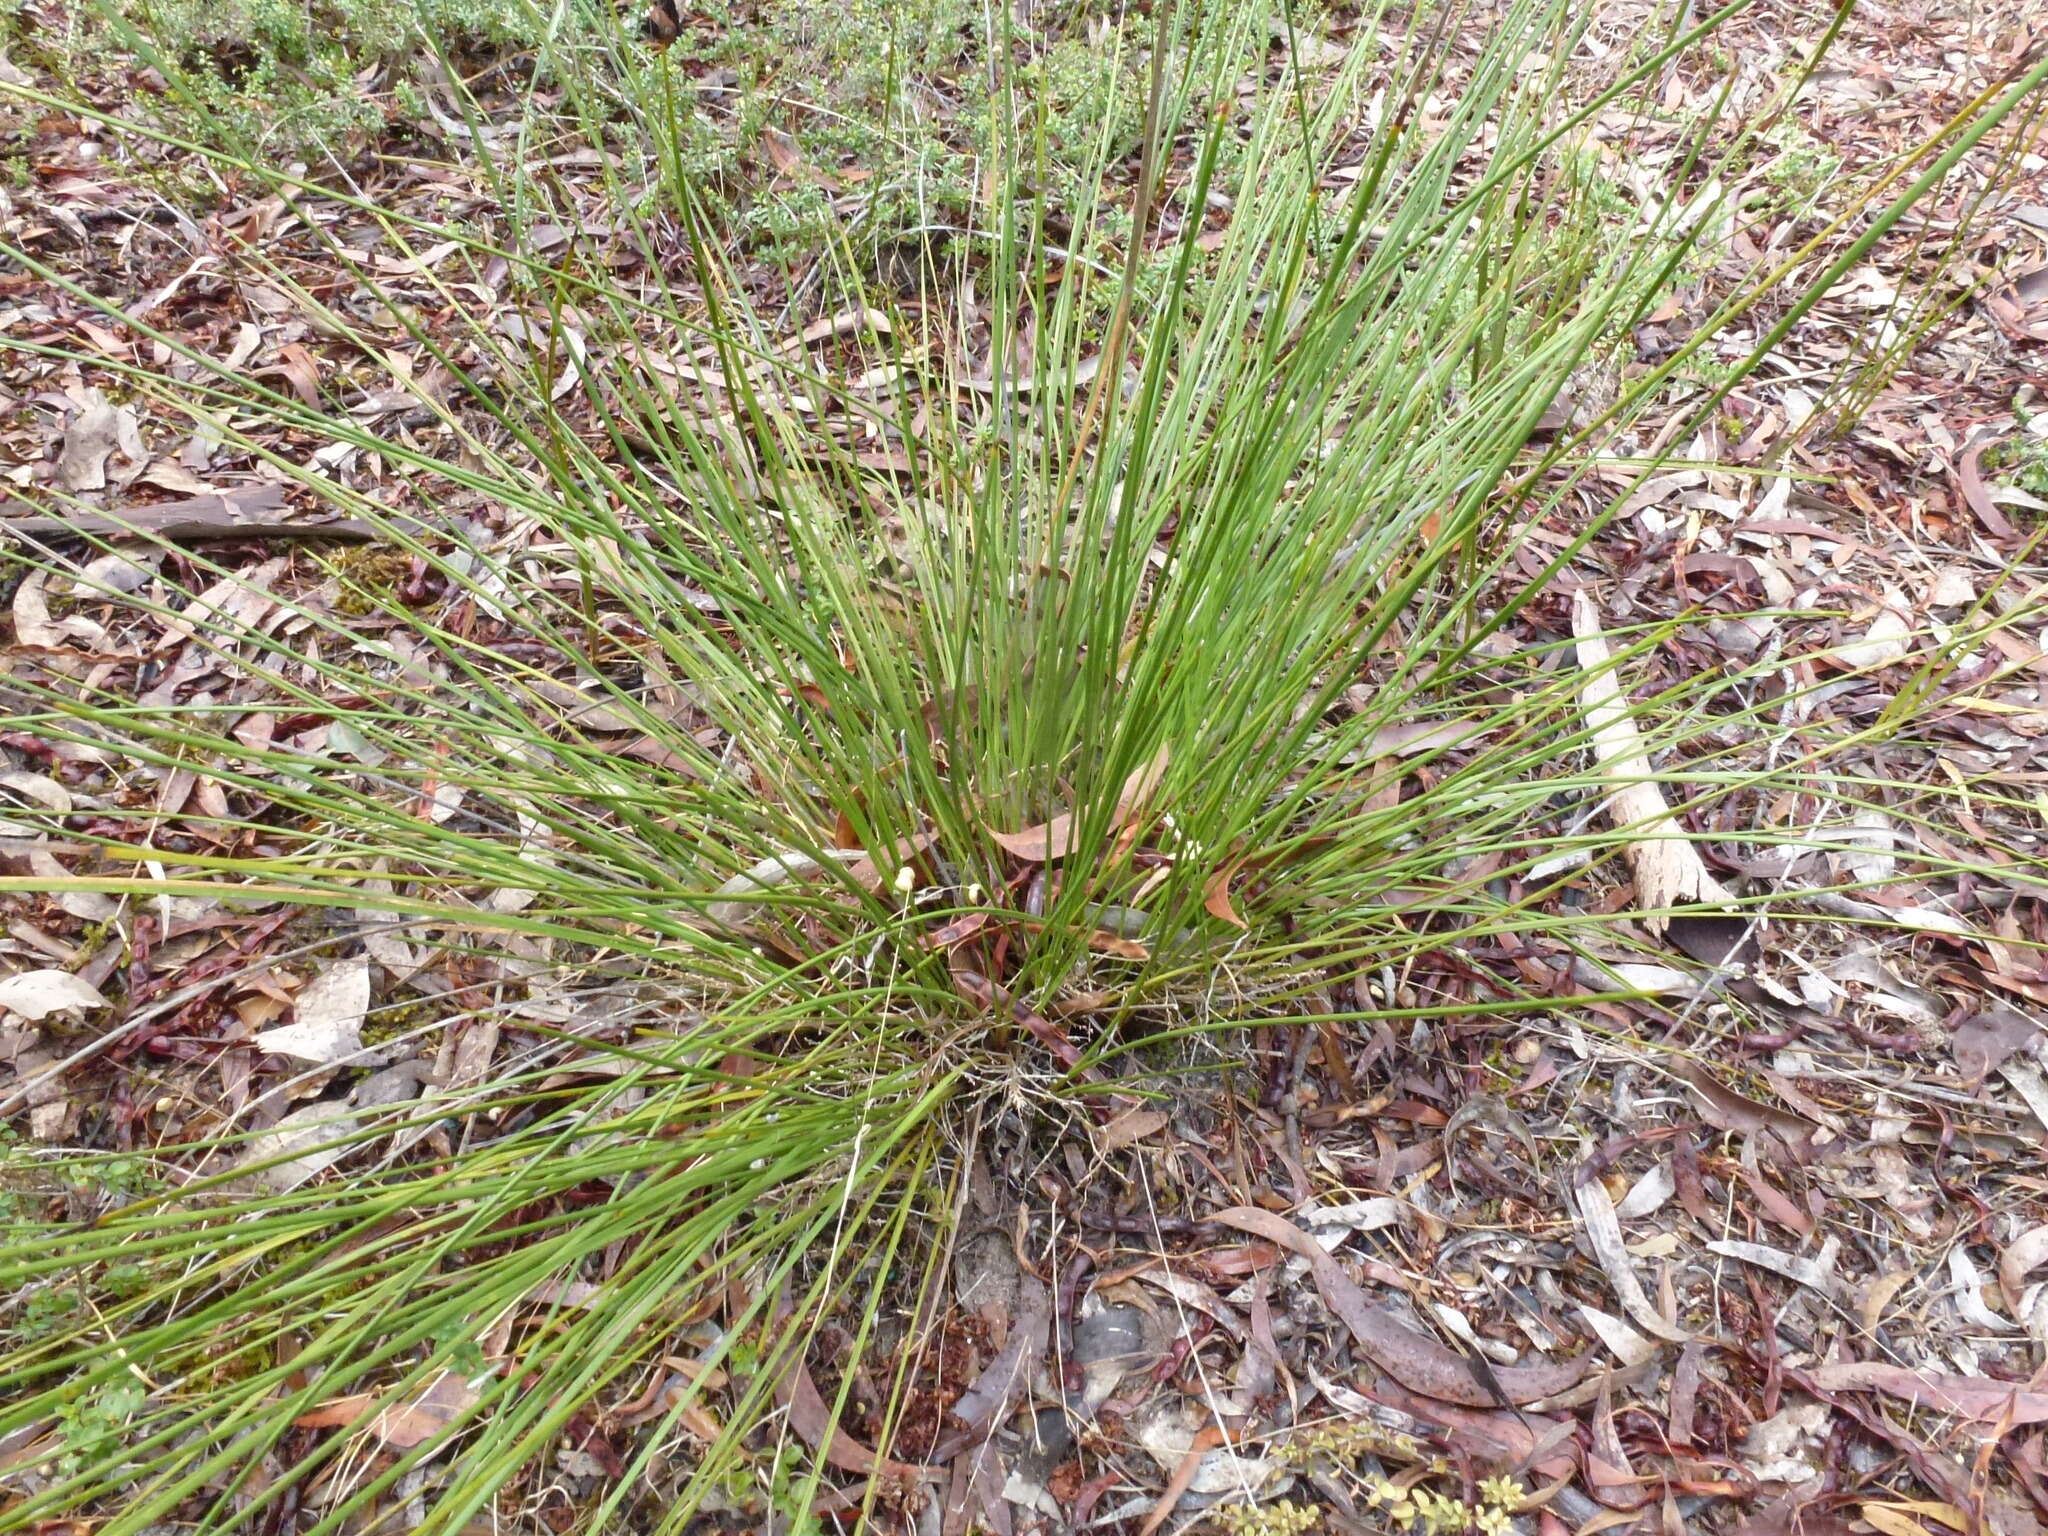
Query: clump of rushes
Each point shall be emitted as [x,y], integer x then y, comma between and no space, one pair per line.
[874,695]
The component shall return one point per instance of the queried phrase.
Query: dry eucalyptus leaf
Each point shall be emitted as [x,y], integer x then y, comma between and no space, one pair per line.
[1888,639]
[1628,1346]
[1668,869]
[1418,1363]
[1952,587]
[1128,1128]
[32,626]
[309,1140]
[1985,1041]
[1966,1293]
[1602,1231]
[416,1420]
[37,994]
[1788,1447]
[2025,1254]
[327,1017]
[381,941]
[1973,1397]
[93,437]
[1170,1432]
[1816,1273]
[87,906]
[1884,989]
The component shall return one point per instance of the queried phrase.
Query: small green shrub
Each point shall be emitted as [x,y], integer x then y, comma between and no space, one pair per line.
[796,127]
[1802,169]
[2022,459]
[309,80]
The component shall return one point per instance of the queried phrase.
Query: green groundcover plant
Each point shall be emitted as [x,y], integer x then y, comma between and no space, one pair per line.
[1030,642]
[796,123]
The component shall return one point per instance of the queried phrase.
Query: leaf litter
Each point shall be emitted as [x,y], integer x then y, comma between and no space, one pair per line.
[1806,1231]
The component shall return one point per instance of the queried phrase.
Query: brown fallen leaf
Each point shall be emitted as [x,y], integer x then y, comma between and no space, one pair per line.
[1970,481]
[1984,1042]
[978,989]
[1725,1109]
[98,432]
[299,369]
[1042,844]
[812,1420]
[1971,1397]
[1053,840]
[1129,1128]
[1495,1437]
[404,1425]
[1216,897]
[1416,1362]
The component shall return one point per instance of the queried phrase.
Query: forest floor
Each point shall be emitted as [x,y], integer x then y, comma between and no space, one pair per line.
[1814,1278]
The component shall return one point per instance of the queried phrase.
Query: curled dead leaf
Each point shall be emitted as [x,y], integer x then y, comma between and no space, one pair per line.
[1216,897]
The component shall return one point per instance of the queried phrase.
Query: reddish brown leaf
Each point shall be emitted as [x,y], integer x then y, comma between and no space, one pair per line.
[1973,1397]
[403,1425]
[1053,840]
[1970,480]
[1418,1363]
[1216,898]
[959,931]
[1727,1110]
[1497,1438]
[812,1420]
[977,988]
[1041,844]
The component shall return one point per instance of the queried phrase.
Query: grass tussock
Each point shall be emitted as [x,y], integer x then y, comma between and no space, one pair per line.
[1047,666]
